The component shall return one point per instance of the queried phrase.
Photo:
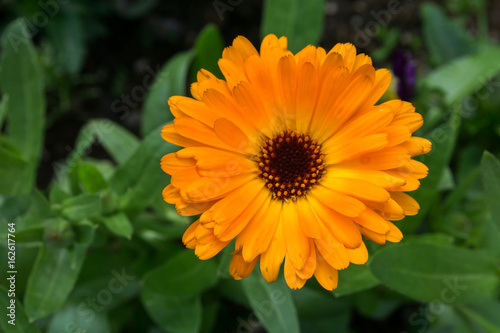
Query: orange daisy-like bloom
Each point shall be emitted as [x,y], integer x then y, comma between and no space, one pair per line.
[290,156]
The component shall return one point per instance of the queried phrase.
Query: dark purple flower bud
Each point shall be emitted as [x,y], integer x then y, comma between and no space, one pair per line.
[405,69]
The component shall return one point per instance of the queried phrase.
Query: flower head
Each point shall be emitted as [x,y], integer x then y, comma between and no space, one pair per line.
[290,156]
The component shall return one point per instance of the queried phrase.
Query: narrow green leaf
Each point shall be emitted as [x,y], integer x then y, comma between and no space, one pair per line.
[141,177]
[466,75]
[90,178]
[489,238]
[26,254]
[353,279]
[176,314]
[21,80]
[81,206]
[272,303]
[426,272]
[117,140]
[169,81]
[300,21]
[13,169]
[444,38]
[490,169]
[208,49]
[13,319]
[182,275]
[52,279]
[79,317]
[118,224]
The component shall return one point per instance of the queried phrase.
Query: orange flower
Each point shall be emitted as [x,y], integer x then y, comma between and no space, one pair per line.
[290,156]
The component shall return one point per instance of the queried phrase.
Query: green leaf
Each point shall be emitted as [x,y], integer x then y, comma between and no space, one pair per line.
[490,169]
[118,224]
[182,275]
[176,314]
[300,21]
[484,314]
[426,272]
[21,80]
[57,195]
[353,279]
[208,49]
[39,209]
[79,317]
[489,238]
[90,178]
[26,254]
[445,39]
[169,81]
[466,75]
[272,303]
[140,178]
[117,140]
[52,279]
[13,169]
[18,321]
[435,238]
[81,206]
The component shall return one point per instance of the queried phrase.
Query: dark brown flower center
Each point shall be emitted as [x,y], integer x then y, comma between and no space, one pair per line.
[290,163]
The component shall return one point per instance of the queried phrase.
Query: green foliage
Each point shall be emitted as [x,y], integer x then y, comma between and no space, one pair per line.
[208,48]
[490,168]
[271,303]
[446,273]
[300,21]
[445,39]
[98,250]
[170,81]
[466,75]
[52,279]
[22,84]
[21,320]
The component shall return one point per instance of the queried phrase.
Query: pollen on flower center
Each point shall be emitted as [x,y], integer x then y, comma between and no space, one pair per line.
[290,163]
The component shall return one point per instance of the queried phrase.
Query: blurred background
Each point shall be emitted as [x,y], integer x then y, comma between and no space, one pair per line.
[84,87]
